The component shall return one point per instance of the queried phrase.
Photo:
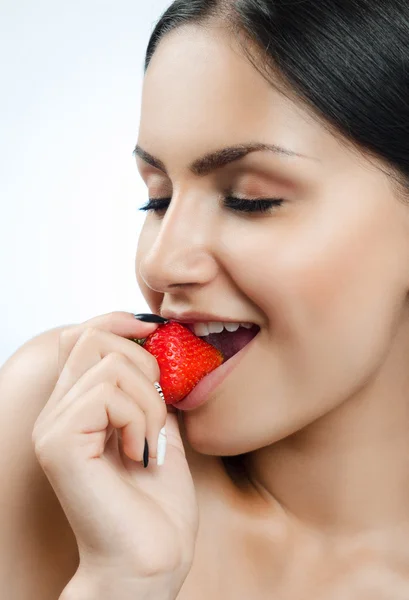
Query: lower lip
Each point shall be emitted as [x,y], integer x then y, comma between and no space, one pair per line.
[208,384]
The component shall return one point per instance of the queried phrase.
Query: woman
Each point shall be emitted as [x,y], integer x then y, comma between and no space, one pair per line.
[274,143]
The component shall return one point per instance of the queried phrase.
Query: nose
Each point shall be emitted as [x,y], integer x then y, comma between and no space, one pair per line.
[179,250]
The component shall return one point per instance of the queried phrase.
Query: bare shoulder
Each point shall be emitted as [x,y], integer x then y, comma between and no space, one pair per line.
[35,531]
[37,358]
[27,380]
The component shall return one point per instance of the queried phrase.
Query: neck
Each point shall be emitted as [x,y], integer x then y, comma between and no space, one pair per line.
[348,471]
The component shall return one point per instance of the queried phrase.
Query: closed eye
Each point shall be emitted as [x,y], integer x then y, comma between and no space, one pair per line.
[258,205]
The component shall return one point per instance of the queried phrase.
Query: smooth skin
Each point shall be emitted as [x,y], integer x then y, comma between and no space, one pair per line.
[106,386]
[320,403]
[133,539]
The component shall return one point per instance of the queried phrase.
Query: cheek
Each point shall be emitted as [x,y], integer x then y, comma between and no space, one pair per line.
[326,277]
[345,277]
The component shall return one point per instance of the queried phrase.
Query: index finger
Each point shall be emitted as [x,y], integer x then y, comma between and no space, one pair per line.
[123,324]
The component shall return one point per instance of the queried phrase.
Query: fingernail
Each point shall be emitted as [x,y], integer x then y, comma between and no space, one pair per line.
[161,447]
[146,454]
[150,318]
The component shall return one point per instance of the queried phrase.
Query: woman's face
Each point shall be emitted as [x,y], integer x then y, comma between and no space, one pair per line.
[324,275]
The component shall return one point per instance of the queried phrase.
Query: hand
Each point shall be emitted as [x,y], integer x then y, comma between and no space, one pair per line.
[89,440]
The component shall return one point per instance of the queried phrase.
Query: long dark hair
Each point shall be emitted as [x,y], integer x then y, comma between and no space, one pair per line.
[347,59]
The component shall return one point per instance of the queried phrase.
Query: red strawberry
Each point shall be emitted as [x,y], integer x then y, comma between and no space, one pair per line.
[183,359]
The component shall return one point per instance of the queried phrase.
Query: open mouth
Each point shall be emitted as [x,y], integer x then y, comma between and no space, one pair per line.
[230,342]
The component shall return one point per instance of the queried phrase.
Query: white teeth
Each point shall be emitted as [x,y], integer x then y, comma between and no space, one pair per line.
[201,329]
[232,326]
[215,327]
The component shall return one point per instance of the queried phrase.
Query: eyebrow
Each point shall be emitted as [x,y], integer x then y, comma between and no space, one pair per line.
[215,160]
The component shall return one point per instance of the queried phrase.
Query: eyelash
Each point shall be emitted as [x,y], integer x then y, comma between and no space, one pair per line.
[238,204]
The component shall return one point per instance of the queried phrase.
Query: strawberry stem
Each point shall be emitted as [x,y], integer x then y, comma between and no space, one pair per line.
[141,341]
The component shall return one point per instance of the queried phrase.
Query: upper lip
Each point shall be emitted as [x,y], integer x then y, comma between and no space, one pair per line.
[196,317]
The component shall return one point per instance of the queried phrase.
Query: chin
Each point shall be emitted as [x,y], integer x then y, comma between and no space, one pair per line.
[202,442]
[215,441]
[210,430]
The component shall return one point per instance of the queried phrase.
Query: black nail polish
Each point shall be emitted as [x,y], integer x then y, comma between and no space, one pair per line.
[146,454]
[150,318]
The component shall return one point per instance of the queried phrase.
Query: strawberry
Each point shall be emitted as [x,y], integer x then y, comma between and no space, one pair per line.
[183,358]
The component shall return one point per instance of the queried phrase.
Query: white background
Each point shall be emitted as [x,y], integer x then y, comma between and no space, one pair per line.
[70,85]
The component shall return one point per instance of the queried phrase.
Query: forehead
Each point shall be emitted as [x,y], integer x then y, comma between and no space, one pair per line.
[201,92]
